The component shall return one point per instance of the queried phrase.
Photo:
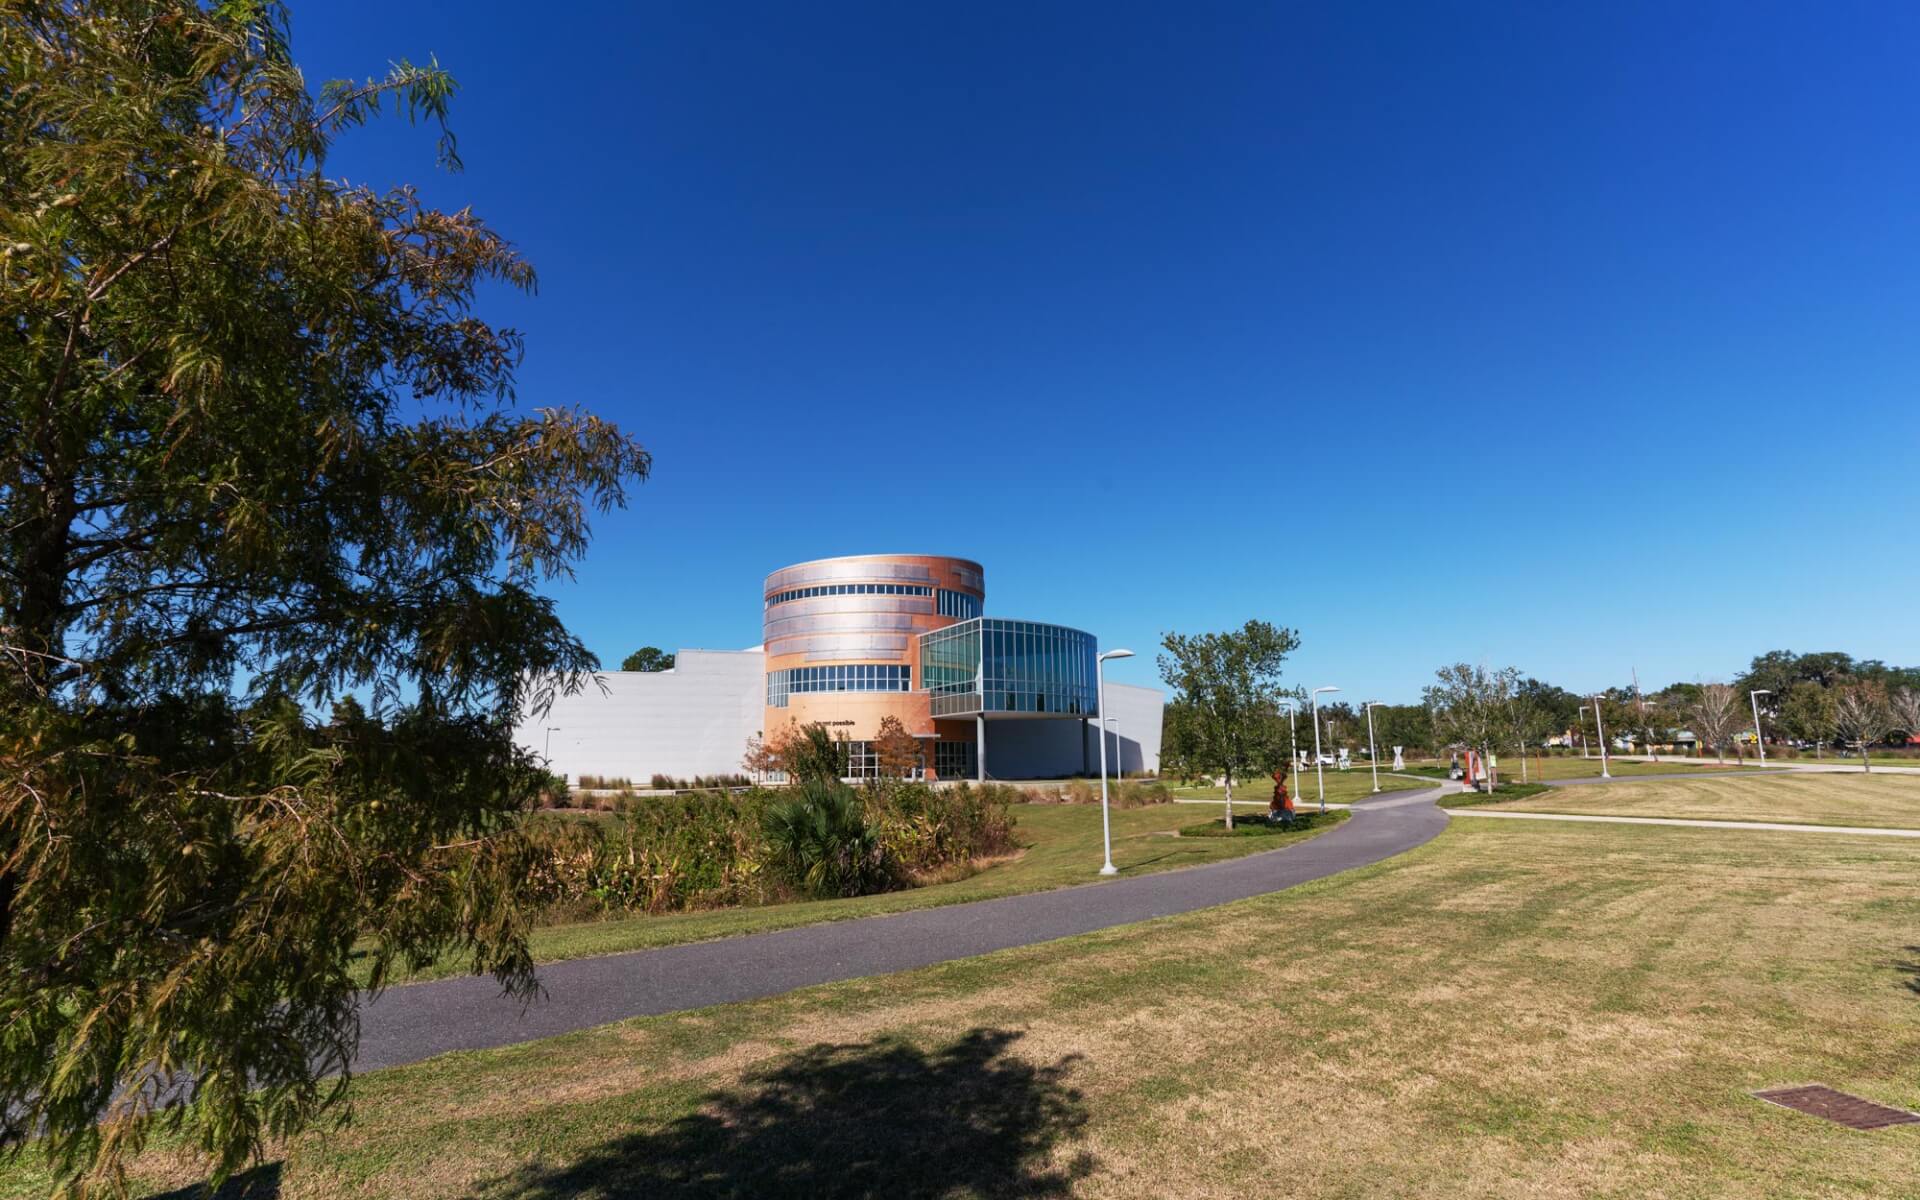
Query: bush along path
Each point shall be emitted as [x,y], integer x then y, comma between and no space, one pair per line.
[409,1023]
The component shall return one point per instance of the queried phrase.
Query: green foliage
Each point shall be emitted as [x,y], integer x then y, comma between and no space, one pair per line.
[1228,688]
[251,428]
[1472,706]
[812,755]
[1258,826]
[647,658]
[821,843]
[1806,712]
[1779,671]
[922,829]
[658,855]
[1406,725]
[1504,792]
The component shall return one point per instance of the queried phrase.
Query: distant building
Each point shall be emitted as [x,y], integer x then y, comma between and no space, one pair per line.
[847,642]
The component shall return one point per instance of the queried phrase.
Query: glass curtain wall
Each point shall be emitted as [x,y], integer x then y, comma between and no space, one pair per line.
[994,665]
[950,668]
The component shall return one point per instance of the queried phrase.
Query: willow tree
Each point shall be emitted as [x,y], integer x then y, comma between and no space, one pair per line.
[258,457]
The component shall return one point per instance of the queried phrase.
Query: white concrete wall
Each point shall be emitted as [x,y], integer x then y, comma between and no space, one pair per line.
[696,718]
[1139,711]
[1035,748]
[692,720]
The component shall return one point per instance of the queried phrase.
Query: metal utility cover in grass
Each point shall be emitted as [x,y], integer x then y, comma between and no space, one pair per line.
[1855,1112]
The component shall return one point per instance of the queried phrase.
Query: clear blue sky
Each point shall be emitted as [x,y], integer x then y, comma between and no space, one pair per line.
[1512,334]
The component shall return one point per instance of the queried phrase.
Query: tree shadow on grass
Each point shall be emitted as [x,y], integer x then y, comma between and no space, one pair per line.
[260,1183]
[1910,967]
[880,1119]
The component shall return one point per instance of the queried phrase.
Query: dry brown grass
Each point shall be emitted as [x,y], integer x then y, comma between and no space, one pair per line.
[1520,1009]
[1813,798]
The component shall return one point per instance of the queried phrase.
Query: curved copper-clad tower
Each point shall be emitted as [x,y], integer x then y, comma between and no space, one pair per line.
[842,645]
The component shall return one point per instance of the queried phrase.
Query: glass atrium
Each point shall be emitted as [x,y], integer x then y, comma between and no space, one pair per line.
[991,666]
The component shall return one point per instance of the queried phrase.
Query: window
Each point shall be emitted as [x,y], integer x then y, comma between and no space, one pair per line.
[953,760]
[958,604]
[849,589]
[992,665]
[847,677]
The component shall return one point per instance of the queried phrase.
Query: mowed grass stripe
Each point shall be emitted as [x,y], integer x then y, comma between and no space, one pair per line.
[1515,1009]
[1803,798]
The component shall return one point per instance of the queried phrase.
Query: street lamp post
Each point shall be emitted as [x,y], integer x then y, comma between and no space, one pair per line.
[548,752]
[1600,731]
[1759,743]
[1582,718]
[1319,771]
[1100,683]
[1373,754]
[1293,737]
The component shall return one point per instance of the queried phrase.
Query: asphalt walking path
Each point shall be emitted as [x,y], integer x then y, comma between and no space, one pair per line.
[416,1021]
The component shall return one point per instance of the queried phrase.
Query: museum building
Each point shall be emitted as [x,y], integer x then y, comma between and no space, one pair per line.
[846,643]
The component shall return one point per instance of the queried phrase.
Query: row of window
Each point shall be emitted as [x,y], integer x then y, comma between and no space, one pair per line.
[959,604]
[850,589]
[996,665]
[848,677]
[861,760]
[953,760]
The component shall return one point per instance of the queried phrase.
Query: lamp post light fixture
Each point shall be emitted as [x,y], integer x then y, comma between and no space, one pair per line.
[1373,754]
[1293,737]
[1600,731]
[1759,743]
[1319,771]
[1100,683]
[1581,719]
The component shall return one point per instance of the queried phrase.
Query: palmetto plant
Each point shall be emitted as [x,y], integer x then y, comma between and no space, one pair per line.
[822,844]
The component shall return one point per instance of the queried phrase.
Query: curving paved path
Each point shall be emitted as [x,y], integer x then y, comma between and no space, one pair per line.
[406,1024]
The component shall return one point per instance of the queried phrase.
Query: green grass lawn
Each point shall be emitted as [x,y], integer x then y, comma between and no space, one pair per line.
[1881,801]
[1062,848]
[1343,787]
[1517,1009]
[1836,759]
[1582,768]
[1501,797]
[1249,825]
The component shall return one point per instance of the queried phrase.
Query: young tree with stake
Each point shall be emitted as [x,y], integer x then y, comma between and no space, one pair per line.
[1230,685]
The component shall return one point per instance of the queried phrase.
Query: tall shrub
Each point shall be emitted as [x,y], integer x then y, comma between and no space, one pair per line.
[821,843]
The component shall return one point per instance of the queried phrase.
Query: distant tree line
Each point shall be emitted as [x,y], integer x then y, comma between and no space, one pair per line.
[1229,714]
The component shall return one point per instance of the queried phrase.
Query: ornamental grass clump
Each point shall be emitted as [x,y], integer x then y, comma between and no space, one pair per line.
[925,830]
[658,855]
